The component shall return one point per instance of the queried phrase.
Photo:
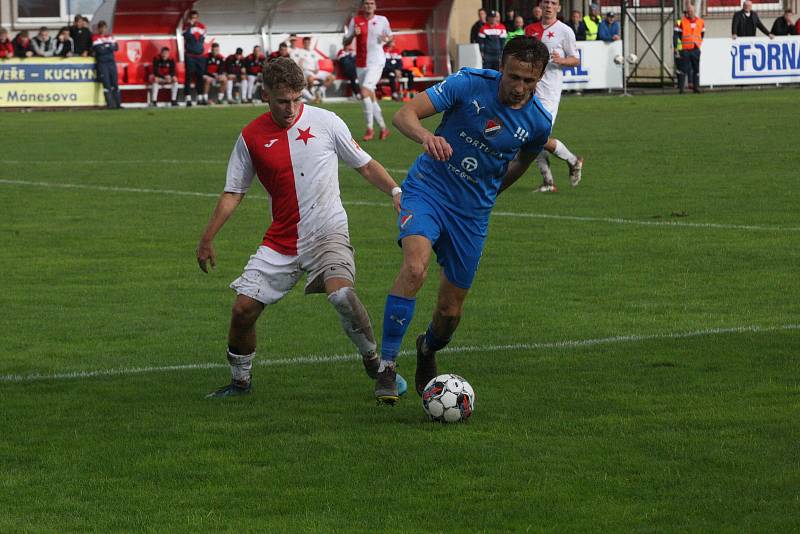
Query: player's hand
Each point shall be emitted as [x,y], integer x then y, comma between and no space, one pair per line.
[206,254]
[437,147]
[396,202]
[554,55]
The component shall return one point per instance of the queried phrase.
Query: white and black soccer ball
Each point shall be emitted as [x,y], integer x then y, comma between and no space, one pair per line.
[632,58]
[619,59]
[448,399]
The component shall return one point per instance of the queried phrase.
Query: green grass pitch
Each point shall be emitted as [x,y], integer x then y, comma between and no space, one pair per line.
[633,342]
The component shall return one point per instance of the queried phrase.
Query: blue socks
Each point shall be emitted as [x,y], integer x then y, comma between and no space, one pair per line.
[397,316]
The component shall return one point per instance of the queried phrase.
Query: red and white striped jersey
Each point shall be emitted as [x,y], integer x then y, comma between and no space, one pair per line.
[298,166]
[369,44]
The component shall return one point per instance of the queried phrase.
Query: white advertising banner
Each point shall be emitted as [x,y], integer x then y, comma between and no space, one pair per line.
[750,60]
[597,69]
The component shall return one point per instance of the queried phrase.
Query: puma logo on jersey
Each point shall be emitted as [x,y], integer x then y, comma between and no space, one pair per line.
[478,107]
[271,142]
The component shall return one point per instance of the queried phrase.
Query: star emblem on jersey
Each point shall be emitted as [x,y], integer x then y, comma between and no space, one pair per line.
[305,135]
[492,128]
[550,35]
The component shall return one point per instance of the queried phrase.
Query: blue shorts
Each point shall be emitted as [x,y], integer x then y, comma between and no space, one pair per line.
[457,244]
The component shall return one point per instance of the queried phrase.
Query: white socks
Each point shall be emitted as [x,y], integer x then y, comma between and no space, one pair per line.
[366,104]
[354,319]
[174,92]
[229,90]
[544,166]
[563,152]
[376,111]
[241,366]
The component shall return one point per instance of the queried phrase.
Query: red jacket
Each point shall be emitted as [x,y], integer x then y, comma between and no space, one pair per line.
[6,49]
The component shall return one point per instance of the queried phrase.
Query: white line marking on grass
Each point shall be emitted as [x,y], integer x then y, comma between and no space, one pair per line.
[610,220]
[334,358]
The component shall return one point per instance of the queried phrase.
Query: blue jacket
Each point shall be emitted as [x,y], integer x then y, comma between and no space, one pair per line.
[607,31]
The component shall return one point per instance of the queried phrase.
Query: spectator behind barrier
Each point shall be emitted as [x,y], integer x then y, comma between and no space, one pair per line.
[476,28]
[42,43]
[517,29]
[237,75]
[81,36]
[64,46]
[283,51]
[783,25]
[577,25]
[6,46]
[536,15]
[22,45]
[609,29]
[508,22]
[591,22]
[491,40]
[746,21]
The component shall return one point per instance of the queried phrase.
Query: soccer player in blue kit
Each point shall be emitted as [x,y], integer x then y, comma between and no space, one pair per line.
[492,130]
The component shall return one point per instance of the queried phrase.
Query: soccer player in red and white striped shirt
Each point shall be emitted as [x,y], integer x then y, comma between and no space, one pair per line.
[371,32]
[294,151]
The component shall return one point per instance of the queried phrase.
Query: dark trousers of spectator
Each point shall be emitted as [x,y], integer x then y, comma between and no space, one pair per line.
[348,66]
[689,67]
[491,62]
[195,68]
[390,73]
[107,73]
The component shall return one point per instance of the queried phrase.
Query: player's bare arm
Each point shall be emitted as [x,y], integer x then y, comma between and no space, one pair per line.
[518,166]
[409,121]
[570,61]
[376,174]
[226,205]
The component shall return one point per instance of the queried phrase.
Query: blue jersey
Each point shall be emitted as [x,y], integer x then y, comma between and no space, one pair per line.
[485,135]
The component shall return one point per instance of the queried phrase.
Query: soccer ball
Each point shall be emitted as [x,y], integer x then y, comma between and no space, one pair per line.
[632,58]
[619,59]
[448,399]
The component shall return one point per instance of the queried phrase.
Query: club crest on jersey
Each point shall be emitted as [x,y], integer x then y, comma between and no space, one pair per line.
[492,128]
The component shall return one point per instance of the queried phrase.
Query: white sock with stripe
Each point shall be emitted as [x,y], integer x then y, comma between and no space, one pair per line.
[376,111]
[366,104]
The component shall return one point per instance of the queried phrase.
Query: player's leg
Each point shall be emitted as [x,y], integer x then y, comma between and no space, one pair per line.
[694,58]
[446,316]
[366,102]
[173,91]
[153,90]
[371,80]
[229,88]
[187,82]
[267,277]
[543,163]
[575,163]
[251,86]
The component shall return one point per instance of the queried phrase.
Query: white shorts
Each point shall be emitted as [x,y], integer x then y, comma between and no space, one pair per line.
[320,75]
[551,106]
[269,275]
[369,76]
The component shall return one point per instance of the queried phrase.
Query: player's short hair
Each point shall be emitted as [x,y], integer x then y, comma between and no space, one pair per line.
[528,50]
[283,72]
[102,24]
[215,45]
[165,48]
[193,12]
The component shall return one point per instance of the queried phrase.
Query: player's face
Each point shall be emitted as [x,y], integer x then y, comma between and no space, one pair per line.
[550,8]
[369,7]
[284,104]
[518,82]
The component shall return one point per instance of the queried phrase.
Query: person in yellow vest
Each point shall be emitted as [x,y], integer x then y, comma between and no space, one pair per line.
[688,38]
[592,22]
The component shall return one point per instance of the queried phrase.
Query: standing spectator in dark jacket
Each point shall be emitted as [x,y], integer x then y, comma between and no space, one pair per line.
[476,28]
[64,47]
[6,46]
[22,45]
[783,25]
[577,25]
[194,36]
[491,40]
[42,43]
[81,36]
[103,46]
[508,22]
[346,57]
[746,21]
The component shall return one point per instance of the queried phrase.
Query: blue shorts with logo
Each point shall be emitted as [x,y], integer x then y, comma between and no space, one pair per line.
[457,244]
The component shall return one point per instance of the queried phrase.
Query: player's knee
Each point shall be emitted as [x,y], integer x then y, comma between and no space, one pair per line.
[244,313]
[449,311]
[415,272]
